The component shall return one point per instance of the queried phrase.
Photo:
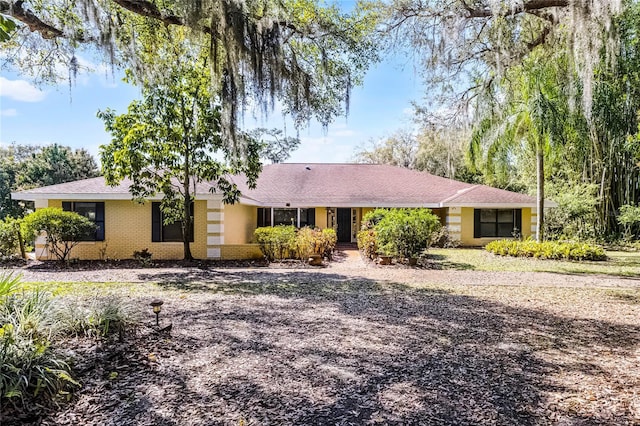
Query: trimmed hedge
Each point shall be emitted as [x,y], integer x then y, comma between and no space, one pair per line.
[556,250]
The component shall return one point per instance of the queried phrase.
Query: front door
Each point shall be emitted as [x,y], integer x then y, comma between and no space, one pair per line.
[344,225]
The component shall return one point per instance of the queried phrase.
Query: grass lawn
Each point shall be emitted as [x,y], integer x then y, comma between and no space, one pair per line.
[625,264]
[341,350]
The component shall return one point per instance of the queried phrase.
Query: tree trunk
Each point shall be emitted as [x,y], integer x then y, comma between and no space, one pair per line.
[186,212]
[540,194]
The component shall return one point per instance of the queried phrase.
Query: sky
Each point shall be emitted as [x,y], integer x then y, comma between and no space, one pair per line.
[65,115]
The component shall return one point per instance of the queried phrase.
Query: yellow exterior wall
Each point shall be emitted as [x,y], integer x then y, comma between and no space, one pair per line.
[526,223]
[128,228]
[239,223]
[466,237]
[321,217]
[240,251]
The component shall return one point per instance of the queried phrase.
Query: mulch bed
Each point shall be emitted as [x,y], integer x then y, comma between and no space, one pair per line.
[313,352]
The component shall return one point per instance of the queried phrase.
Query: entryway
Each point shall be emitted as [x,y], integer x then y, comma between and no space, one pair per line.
[343,220]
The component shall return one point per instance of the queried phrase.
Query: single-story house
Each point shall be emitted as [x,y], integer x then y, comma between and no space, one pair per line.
[321,195]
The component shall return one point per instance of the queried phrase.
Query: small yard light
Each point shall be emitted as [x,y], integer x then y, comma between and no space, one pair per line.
[157,307]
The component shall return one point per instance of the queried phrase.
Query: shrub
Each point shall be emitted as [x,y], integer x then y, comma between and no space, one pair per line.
[442,239]
[276,242]
[329,239]
[305,243]
[29,367]
[285,242]
[406,232]
[372,218]
[629,218]
[11,241]
[143,257]
[367,243]
[102,317]
[557,250]
[63,230]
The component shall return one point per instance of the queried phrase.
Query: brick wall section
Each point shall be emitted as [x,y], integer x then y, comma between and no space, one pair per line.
[241,251]
[128,228]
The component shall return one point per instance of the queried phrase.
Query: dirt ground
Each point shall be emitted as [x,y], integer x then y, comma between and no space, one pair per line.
[358,344]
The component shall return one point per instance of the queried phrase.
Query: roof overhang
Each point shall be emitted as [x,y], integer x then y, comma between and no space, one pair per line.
[547,204]
[96,196]
[292,205]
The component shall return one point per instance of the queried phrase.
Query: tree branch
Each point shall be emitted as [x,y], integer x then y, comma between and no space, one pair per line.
[528,7]
[15,10]
[150,10]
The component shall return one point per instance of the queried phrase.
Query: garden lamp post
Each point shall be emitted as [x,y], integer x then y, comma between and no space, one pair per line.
[157,307]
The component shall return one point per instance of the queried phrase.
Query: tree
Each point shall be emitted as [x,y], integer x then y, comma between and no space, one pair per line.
[276,147]
[171,140]
[28,166]
[397,150]
[440,151]
[464,47]
[306,55]
[63,230]
[530,120]
[55,164]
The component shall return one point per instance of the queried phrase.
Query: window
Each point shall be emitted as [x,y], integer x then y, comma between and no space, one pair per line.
[307,217]
[264,217]
[496,222]
[171,232]
[92,211]
[287,216]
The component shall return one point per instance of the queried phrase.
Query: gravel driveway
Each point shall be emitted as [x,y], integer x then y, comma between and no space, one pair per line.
[350,344]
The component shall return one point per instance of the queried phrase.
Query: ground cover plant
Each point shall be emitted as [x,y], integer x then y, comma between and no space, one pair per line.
[363,346]
[567,250]
[618,263]
[35,370]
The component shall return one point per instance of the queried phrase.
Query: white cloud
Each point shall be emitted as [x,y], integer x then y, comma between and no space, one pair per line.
[20,90]
[9,112]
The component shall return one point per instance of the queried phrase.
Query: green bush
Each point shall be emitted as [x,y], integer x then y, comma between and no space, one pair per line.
[406,233]
[63,230]
[372,218]
[276,242]
[556,250]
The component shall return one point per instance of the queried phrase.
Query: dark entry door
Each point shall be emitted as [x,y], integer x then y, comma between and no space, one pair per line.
[344,225]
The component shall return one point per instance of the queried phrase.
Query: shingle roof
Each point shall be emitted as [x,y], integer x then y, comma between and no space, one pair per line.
[93,187]
[335,185]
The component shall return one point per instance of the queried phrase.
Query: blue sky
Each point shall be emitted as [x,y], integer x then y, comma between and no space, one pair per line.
[67,116]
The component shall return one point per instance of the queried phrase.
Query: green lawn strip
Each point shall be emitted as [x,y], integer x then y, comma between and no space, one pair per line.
[625,264]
